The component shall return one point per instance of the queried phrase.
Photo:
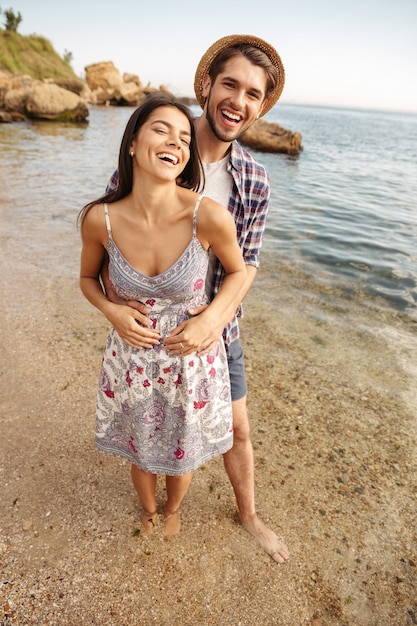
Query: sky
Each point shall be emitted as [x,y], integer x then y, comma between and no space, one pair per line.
[356,53]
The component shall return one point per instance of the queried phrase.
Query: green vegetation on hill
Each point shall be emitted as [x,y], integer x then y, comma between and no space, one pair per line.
[32,55]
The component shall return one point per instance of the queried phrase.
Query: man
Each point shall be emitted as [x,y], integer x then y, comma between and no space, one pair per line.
[238,80]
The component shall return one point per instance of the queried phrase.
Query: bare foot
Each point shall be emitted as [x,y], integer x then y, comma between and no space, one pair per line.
[172,523]
[149,521]
[277,550]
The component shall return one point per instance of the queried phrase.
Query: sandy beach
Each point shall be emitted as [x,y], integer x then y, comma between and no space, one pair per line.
[333,417]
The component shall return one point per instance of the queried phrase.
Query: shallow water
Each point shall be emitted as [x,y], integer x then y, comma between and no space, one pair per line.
[346,206]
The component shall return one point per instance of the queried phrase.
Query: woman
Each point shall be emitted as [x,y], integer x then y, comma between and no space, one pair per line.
[166,410]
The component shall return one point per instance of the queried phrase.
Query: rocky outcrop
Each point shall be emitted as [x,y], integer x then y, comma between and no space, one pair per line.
[5,117]
[50,102]
[108,86]
[22,97]
[75,85]
[270,137]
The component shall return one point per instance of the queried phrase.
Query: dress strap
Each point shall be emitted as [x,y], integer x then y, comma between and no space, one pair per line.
[197,204]
[107,217]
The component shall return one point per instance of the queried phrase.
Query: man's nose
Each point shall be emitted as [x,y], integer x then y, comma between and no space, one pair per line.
[238,98]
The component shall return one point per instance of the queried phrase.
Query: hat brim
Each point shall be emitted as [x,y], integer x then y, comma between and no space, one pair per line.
[230,41]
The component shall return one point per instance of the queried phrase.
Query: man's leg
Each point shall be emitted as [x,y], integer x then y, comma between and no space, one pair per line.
[240,468]
[239,463]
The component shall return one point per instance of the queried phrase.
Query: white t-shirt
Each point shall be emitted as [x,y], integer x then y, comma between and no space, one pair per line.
[218,186]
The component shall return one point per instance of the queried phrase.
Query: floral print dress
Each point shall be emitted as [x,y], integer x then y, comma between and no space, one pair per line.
[166,414]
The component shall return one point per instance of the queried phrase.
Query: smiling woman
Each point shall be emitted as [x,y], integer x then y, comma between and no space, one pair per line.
[161,405]
[167,139]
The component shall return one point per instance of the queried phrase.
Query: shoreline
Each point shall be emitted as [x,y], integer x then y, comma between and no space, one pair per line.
[332,404]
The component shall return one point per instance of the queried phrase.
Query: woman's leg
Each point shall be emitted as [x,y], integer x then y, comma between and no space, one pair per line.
[145,485]
[177,487]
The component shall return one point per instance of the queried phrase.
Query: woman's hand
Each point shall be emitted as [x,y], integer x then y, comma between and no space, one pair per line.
[199,334]
[133,327]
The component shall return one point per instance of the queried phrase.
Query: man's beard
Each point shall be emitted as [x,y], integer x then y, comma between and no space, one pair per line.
[226,137]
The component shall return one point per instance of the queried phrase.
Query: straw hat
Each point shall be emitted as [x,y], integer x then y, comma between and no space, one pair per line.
[234,40]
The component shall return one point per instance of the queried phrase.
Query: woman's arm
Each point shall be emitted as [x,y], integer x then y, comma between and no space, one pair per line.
[215,229]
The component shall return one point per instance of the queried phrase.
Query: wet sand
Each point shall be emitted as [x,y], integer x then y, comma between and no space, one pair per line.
[332,397]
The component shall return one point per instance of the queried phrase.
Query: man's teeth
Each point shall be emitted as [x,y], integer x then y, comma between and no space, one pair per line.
[231,116]
[168,157]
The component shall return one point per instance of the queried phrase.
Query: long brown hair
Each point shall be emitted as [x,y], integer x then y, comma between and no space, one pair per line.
[191,176]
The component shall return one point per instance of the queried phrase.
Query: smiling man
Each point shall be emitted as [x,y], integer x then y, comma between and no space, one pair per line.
[238,80]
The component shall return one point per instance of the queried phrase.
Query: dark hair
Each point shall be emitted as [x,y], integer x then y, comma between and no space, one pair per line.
[255,55]
[190,177]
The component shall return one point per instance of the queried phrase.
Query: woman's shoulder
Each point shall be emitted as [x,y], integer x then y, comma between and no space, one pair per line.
[213,216]
[94,221]
[95,213]
[208,209]
[212,208]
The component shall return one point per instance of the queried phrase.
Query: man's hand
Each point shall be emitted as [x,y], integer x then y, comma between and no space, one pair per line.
[141,309]
[113,297]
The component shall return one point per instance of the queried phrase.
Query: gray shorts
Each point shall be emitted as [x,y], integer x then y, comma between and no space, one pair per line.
[237,375]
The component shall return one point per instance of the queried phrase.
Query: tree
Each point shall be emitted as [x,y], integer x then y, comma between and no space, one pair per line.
[12,20]
[67,56]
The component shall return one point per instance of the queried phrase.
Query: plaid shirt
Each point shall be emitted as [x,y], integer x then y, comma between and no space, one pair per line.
[248,203]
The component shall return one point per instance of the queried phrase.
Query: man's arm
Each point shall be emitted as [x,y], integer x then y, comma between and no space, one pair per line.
[129,332]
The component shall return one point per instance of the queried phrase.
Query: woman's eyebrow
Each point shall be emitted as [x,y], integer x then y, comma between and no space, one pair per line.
[168,125]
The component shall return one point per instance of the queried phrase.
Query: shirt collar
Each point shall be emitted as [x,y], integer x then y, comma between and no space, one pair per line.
[236,156]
